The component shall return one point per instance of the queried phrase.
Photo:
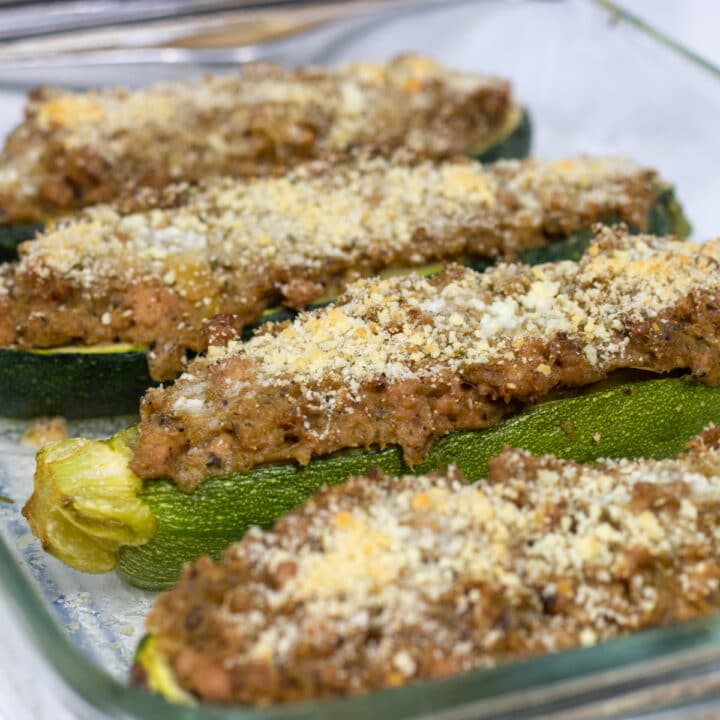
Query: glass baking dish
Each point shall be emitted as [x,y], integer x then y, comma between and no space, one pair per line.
[594,82]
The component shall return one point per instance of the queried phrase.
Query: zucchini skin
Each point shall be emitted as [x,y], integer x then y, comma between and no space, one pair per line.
[645,418]
[12,235]
[151,671]
[664,218]
[514,146]
[222,509]
[85,385]
[72,384]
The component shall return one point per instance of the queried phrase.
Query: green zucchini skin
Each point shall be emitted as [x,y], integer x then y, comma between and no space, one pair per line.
[514,146]
[12,235]
[221,510]
[152,672]
[75,385]
[85,385]
[646,418]
[664,218]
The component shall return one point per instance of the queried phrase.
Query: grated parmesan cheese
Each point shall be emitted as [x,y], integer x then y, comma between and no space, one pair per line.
[386,580]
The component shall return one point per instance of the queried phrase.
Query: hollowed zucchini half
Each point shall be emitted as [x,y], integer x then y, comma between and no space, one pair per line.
[511,142]
[93,513]
[94,381]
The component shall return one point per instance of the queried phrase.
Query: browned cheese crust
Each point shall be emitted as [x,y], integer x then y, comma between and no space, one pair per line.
[239,247]
[78,149]
[386,581]
[405,360]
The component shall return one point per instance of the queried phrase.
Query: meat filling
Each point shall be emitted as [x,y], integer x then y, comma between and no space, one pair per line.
[406,360]
[154,277]
[387,581]
[78,149]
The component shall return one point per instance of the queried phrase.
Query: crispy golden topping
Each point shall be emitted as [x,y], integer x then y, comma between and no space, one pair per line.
[412,327]
[77,149]
[240,246]
[387,580]
[335,215]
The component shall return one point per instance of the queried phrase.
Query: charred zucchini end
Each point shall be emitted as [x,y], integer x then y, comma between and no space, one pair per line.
[151,671]
[85,503]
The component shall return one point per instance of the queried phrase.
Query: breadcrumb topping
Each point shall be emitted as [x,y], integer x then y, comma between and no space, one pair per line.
[323,215]
[75,149]
[235,246]
[412,327]
[405,360]
[387,580]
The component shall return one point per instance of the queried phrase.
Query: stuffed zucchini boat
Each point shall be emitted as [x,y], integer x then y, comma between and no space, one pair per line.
[73,150]
[406,372]
[386,581]
[154,278]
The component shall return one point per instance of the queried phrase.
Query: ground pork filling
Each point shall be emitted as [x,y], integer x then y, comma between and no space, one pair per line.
[77,149]
[385,581]
[155,276]
[405,360]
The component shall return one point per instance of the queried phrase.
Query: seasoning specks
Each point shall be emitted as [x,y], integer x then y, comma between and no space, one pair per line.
[386,580]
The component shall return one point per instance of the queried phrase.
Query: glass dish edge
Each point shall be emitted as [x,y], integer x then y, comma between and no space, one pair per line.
[693,648]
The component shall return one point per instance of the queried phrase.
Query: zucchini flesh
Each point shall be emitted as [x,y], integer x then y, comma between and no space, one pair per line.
[151,670]
[85,382]
[640,418]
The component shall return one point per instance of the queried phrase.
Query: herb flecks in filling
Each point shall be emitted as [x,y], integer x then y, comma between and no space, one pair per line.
[385,581]
[239,247]
[405,360]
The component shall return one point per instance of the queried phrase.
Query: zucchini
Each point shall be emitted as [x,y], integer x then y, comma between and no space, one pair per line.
[638,418]
[85,382]
[75,382]
[511,143]
[151,670]
[12,235]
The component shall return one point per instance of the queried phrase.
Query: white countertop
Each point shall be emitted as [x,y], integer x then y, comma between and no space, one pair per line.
[28,689]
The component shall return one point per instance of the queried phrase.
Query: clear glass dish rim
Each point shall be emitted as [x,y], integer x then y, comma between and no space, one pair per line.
[563,676]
